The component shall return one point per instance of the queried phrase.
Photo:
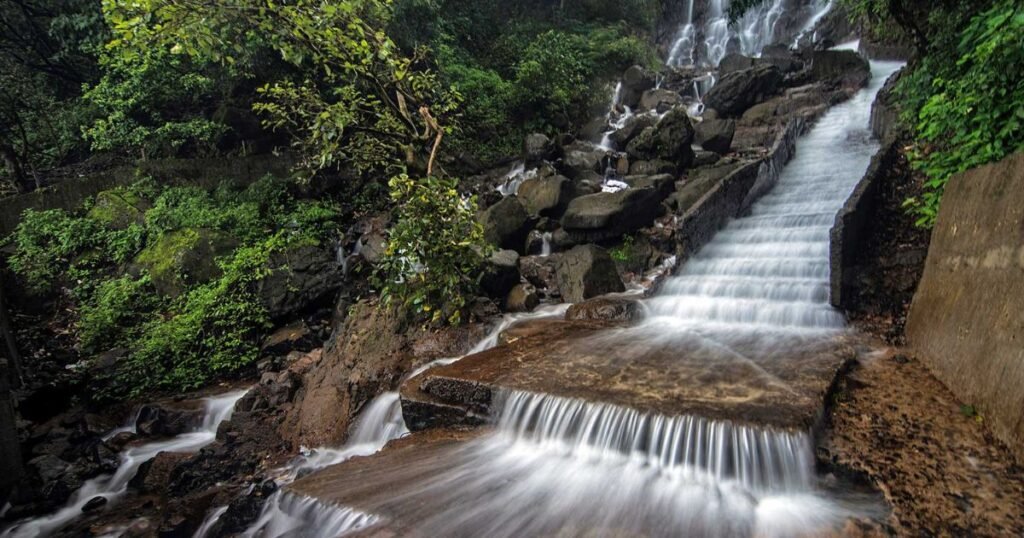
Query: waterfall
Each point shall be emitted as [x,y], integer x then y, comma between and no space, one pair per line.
[112,487]
[759,459]
[757,28]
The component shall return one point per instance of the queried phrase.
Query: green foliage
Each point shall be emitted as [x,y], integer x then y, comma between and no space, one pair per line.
[174,342]
[359,100]
[435,250]
[970,111]
[624,251]
[153,102]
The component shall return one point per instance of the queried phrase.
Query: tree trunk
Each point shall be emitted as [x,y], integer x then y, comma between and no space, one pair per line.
[14,167]
[10,451]
[10,348]
[906,19]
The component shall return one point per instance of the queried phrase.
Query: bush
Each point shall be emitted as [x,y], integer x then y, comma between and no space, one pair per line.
[969,112]
[435,251]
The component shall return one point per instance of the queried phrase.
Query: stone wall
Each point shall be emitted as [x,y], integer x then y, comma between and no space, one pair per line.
[967,318]
[206,173]
[732,196]
[852,226]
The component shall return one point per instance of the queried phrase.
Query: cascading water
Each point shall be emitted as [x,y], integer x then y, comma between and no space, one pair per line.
[564,466]
[705,43]
[112,487]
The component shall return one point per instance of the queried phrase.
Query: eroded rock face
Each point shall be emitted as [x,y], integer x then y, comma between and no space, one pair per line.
[506,223]
[740,90]
[607,309]
[587,271]
[669,140]
[299,277]
[372,352]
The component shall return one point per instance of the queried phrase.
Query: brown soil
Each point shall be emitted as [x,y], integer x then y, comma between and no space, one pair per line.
[939,468]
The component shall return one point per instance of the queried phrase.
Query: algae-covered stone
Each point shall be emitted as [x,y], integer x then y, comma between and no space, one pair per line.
[181,258]
[119,208]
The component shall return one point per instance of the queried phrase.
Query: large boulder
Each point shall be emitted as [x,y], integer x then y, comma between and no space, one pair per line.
[181,258]
[580,159]
[733,62]
[119,208]
[299,277]
[506,223]
[587,271]
[538,148]
[740,90]
[660,100]
[522,298]
[546,196]
[632,127]
[635,81]
[651,168]
[840,68]
[669,140]
[715,135]
[500,274]
[608,215]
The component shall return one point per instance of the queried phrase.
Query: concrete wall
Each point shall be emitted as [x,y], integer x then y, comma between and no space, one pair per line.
[853,226]
[967,318]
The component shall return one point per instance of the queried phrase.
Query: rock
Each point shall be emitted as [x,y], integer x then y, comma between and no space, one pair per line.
[651,168]
[94,504]
[608,215]
[561,240]
[522,298]
[780,56]
[664,184]
[538,148]
[293,337]
[660,100]
[699,183]
[540,272]
[506,223]
[606,308]
[161,420]
[635,81]
[181,258]
[154,475]
[632,127]
[733,62]
[244,510]
[840,68]
[715,135]
[579,159]
[119,208]
[587,271]
[705,158]
[299,277]
[501,273]
[546,196]
[740,90]
[534,243]
[669,140]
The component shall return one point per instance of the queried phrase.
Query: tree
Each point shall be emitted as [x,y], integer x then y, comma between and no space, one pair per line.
[351,97]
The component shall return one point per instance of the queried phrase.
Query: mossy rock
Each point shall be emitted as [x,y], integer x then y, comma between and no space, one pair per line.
[119,208]
[185,257]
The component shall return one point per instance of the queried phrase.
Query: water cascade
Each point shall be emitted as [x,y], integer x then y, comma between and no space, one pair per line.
[112,487]
[705,42]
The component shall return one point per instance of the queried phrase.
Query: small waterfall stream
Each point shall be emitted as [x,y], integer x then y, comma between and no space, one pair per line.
[112,487]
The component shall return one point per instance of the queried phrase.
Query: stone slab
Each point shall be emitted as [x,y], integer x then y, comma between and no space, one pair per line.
[641,367]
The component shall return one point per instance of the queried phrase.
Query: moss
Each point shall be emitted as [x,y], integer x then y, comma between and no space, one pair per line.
[118,208]
[180,258]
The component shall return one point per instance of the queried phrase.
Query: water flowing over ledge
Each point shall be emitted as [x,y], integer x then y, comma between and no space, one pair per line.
[759,459]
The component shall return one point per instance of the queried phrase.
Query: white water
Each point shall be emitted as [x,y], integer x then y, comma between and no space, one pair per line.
[112,487]
[757,28]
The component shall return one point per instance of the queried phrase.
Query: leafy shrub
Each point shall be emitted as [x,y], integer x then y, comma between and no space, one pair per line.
[434,252]
[969,112]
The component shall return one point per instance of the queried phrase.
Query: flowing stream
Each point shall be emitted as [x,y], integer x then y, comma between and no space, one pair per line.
[112,487]
[566,466]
